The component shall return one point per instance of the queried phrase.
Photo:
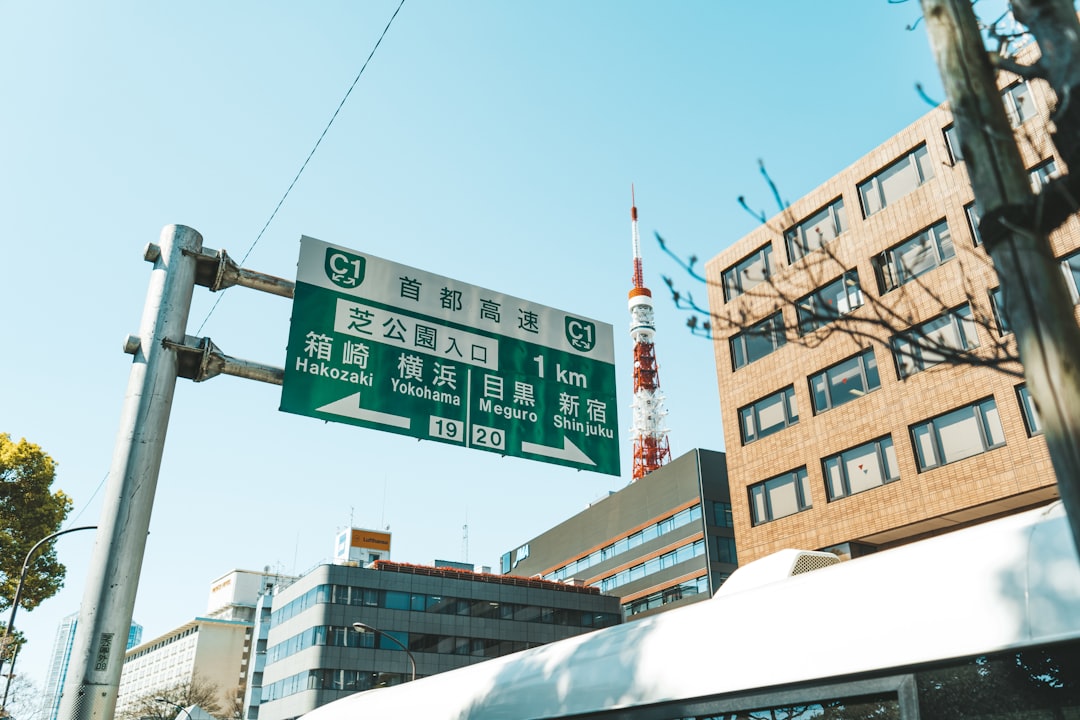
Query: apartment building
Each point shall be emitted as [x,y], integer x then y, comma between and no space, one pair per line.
[663,541]
[858,442]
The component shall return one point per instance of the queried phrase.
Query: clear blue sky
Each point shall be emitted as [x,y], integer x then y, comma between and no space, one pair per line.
[494,143]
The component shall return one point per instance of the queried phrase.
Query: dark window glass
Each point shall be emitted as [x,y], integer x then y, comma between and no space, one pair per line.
[861,468]
[952,143]
[1018,104]
[1031,684]
[997,306]
[816,230]
[845,381]
[722,515]
[768,415]
[758,341]
[1070,265]
[780,496]
[957,435]
[1042,174]
[747,273]
[973,217]
[931,343]
[829,302]
[913,257]
[1030,412]
[895,181]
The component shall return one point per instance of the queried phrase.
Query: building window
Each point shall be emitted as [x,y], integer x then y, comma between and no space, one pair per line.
[654,565]
[913,257]
[1042,174]
[748,272]
[722,515]
[1070,265]
[816,230]
[758,341]
[625,544]
[973,223]
[861,468]
[997,306]
[845,381]
[769,415]
[895,181]
[1030,412]
[723,549]
[780,496]
[828,303]
[667,595]
[956,435]
[1018,104]
[928,344]
[952,144]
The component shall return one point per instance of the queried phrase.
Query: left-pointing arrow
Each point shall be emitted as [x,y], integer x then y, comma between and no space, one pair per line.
[350,407]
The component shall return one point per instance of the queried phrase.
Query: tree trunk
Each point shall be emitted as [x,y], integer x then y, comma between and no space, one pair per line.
[1037,301]
[1057,27]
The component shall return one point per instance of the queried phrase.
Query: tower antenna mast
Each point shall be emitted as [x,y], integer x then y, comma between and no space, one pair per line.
[648,432]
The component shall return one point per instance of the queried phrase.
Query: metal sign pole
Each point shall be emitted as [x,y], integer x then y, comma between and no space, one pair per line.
[93,677]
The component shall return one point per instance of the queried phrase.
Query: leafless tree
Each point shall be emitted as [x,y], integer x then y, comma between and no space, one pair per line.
[1015,219]
[195,691]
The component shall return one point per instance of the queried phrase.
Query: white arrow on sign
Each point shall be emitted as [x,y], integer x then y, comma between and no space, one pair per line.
[350,407]
[569,451]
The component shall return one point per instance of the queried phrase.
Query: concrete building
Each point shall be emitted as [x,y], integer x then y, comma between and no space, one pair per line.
[446,617]
[212,649]
[61,656]
[261,634]
[664,540]
[201,651]
[857,443]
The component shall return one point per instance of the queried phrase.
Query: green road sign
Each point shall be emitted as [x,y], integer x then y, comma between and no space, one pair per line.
[390,347]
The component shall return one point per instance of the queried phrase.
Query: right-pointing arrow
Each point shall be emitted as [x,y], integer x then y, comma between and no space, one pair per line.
[350,407]
[569,451]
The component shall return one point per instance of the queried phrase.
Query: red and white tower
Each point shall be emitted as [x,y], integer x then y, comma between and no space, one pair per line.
[648,433]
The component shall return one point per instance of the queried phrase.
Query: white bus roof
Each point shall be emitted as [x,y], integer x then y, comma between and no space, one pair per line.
[1003,584]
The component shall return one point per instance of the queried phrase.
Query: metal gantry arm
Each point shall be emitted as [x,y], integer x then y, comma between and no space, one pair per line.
[162,352]
[198,358]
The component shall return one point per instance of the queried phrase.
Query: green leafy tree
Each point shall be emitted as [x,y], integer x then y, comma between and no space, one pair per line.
[29,511]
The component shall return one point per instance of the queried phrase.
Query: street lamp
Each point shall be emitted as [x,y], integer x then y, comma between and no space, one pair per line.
[181,708]
[364,627]
[18,599]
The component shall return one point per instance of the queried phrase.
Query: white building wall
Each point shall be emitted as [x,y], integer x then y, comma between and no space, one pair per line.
[212,650]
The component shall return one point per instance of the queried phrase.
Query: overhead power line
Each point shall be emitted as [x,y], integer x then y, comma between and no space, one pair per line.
[308,159]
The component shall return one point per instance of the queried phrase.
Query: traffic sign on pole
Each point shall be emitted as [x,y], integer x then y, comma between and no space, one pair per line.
[390,347]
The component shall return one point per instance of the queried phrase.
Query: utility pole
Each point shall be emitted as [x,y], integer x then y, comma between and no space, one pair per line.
[1015,235]
[97,655]
[162,353]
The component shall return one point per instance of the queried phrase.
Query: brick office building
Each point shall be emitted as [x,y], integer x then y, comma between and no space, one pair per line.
[852,444]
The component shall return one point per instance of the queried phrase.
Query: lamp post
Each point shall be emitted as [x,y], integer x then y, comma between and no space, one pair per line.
[364,627]
[18,599]
[181,708]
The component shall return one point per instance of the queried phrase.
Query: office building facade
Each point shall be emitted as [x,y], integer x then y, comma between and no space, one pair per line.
[205,651]
[428,619]
[214,650]
[855,443]
[665,540]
